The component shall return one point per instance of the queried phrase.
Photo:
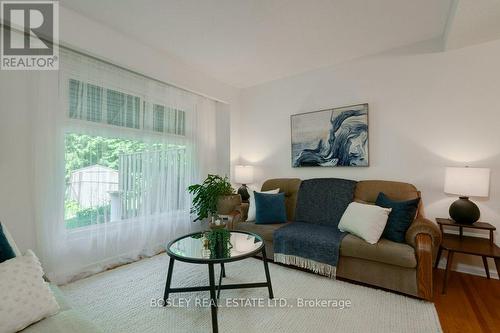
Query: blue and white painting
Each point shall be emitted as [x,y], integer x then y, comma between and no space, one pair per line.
[331,138]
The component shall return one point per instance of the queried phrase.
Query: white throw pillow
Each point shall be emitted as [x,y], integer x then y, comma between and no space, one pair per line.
[251,202]
[365,221]
[25,297]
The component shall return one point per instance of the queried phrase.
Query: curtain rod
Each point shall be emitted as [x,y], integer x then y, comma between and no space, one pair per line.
[85,54]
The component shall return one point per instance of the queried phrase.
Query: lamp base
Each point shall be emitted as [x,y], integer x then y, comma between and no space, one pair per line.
[243,192]
[464,211]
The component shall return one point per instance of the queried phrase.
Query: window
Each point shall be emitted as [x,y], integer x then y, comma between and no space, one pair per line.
[110,178]
[97,104]
[168,120]
[122,109]
[111,174]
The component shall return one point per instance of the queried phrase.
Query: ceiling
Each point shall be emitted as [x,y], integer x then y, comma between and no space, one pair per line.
[473,22]
[248,42]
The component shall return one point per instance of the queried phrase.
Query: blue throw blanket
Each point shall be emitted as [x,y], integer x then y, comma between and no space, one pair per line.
[313,240]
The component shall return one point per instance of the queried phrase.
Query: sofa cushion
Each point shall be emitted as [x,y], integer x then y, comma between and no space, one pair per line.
[368,190]
[66,320]
[384,251]
[60,298]
[324,200]
[63,322]
[264,230]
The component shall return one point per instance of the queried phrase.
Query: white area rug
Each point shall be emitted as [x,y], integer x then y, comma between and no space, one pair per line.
[120,301]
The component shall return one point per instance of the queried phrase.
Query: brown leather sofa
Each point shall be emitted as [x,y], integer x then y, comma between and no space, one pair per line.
[405,268]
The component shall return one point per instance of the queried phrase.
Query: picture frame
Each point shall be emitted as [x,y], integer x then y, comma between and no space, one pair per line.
[335,137]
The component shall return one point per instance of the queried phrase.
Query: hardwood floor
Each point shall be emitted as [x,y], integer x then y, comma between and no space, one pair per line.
[471,304]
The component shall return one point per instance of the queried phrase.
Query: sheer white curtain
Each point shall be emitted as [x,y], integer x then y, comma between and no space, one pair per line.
[114,153]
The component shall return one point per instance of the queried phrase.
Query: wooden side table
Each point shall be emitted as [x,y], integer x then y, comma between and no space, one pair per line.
[231,219]
[485,248]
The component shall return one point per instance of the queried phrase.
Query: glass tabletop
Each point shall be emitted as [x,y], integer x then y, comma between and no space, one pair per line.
[195,247]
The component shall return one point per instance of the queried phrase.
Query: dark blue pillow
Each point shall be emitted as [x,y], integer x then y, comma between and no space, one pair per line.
[270,208]
[402,215]
[6,251]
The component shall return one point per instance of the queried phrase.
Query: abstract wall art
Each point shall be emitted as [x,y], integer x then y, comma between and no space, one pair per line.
[331,138]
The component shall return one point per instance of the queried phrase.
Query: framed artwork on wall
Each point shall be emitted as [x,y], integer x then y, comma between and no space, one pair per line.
[331,138]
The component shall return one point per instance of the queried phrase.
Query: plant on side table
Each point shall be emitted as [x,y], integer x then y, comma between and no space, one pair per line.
[213,196]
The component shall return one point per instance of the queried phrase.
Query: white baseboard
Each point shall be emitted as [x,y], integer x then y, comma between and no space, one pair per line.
[471,269]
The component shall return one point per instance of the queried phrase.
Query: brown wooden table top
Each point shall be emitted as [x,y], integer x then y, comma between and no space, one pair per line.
[475,225]
[470,245]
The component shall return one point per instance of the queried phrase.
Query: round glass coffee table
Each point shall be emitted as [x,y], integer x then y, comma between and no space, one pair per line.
[193,248]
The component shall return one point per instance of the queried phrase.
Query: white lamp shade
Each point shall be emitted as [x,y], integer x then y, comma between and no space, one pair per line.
[243,174]
[470,182]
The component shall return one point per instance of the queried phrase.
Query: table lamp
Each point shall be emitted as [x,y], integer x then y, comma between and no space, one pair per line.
[243,174]
[466,182]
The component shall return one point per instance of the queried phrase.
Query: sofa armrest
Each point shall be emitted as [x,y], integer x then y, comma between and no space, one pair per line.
[424,226]
[243,210]
[425,237]
[424,253]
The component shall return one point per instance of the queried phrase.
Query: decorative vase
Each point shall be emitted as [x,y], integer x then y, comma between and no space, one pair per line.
[243,192]
[464,211]
[219,249]
[227,203]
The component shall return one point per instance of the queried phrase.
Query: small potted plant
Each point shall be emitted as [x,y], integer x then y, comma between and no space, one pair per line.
[214,195]
[219,243]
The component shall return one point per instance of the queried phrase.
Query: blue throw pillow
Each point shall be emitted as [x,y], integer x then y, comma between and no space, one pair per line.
[270,208]
[6,251]
[402,215]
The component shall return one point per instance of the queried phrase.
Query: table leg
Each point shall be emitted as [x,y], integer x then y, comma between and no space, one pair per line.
[213,299]
[448,266]
[223,269]
[497,264]
[169,280]
[268,276]
[222,275]
[485,263]
[219,285]
[440,250]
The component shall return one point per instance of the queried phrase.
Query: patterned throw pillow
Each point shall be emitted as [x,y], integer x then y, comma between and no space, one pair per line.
[25,297]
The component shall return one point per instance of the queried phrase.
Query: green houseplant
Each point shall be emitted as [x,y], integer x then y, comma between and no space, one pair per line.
[209,197]
[219,243]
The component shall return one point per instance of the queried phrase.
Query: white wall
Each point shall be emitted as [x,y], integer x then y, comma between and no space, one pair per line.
[15,158]
[427,111]
[76,31]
